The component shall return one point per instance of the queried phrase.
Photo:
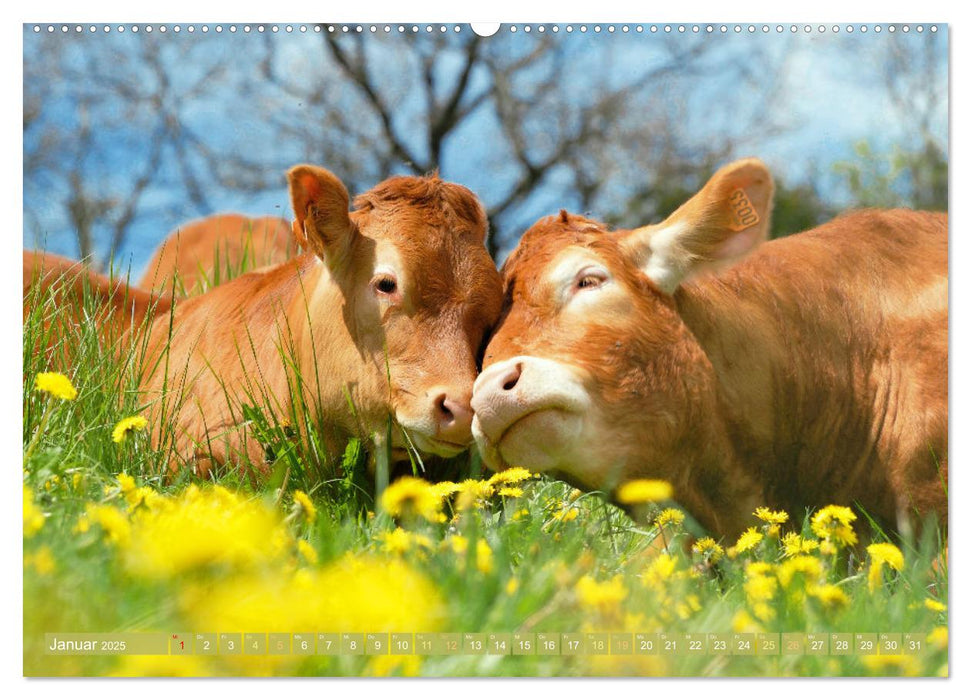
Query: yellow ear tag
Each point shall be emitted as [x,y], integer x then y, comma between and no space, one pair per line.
[743,213]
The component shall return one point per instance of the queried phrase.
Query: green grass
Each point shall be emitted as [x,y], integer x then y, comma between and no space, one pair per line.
[230,261]
[538,578]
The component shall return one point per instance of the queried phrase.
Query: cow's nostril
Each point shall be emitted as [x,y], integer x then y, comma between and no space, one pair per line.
[512,377]
[445,413]
[454,417]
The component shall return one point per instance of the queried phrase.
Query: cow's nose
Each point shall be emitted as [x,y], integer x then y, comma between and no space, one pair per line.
[500,379]
[510,378]
[453,417]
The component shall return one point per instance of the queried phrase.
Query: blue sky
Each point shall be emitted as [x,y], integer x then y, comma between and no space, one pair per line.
[832,95]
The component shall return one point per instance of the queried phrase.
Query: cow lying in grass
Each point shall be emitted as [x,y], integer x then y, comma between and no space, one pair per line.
[67,294]
[206,252]
[381,317]
[813,370]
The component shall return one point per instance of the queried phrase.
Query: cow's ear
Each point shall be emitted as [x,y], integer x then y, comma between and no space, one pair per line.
[320,205]
[721,224]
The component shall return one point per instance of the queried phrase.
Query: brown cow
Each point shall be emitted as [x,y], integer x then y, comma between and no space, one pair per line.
[812,372]
[82,296]
[208,251]
[383,316]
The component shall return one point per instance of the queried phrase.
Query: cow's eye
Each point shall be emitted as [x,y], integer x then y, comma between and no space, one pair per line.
[386,285]
[590,279]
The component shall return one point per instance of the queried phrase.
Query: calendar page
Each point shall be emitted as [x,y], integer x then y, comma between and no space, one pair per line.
[451,350]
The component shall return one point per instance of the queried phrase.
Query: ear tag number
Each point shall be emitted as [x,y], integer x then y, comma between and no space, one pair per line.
[743,213]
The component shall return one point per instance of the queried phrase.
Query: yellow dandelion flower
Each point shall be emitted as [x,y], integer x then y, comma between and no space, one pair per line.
[138,496]
[395,541]
[459,544]
[410,497]
[55,384]
[683,610]
[748,540]
[605,596]
[356,594]
[566,514]
[510,492]
[126,483]
[307,551]
[772,517]
[33,516]
[709,549]
[521,514]
[886,553]
[763,611]
[483,557]
[760,588]
[793,544]
[128,425]
[644,491]
[83,525]
[399,541]
[669,516]
[834,524]
[473,493]
[512,585]
[934,605]
[938,637]
[404,666]
[304,506]
[444,489]
[113,521]
[759,568]
[892,665]
[203,528]
[882,553]
[511,476]
[809,567]
[661,569]
[76,480]
[744,622]
[41,561]
[831,597]
[147,498]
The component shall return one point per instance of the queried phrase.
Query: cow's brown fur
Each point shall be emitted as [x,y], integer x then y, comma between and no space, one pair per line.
[208,249]
[117,308]
[812,372]
[345,337]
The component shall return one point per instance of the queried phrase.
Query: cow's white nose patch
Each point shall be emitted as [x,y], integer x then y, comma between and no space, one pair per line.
[524,402]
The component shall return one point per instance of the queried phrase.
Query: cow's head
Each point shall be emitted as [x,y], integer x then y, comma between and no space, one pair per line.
[591,368]
[419,291]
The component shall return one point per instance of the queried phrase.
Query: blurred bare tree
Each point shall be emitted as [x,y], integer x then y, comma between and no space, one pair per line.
[142,132]
[581,127]
[913,173]
[104,124]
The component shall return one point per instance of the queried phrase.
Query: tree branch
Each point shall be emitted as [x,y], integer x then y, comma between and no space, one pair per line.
[359,74]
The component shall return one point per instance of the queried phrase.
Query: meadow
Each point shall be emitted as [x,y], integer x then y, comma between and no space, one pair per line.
[112,542]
